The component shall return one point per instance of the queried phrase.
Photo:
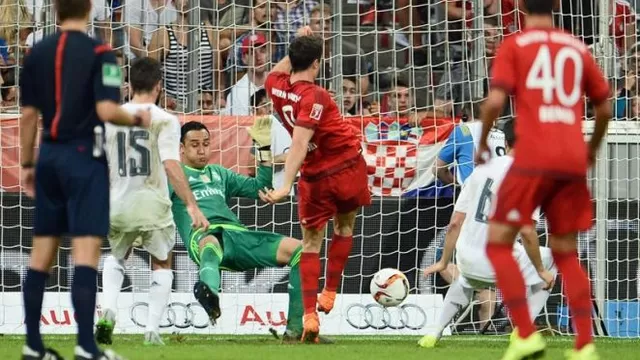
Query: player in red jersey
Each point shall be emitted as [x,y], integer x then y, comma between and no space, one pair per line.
[549,72]
[333,181]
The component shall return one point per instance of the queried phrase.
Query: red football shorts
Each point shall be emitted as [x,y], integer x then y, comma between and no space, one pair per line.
[566,202]
[339,193]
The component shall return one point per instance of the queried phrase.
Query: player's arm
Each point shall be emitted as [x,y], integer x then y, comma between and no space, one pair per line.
[463,205]
[445,158]
[107,80]
[297,153]
[532,246]
[248,187]
[597,89]
[29,112]
[502,84]
[284,65]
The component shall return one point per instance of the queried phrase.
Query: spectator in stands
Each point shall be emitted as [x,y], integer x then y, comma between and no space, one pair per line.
[169,46]
[142,18]
[256,19]
[408,15]
[99,26]
[254,54]
[291,15]
[351,98]
[15,25]
[623,26]
[454,88]
[353,59]
[629,85]
[634,113]
[205,102]
[9,92]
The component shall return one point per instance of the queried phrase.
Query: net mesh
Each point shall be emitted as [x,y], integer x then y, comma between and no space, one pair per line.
[403,70]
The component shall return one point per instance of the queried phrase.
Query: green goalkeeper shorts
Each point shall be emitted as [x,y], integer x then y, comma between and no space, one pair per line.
[242,249]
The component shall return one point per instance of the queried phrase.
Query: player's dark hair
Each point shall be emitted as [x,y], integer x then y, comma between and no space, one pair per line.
[540,7]
[191,126]
[72,9]
[257,97]
[303,51]
[509,133]
[145,75]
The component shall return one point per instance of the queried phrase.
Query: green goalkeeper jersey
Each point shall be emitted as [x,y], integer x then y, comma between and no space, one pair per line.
[212,187]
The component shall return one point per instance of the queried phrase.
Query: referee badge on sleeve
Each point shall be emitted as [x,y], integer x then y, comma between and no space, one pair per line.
[111,75]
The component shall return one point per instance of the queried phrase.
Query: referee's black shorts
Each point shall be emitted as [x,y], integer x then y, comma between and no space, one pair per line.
[72,191]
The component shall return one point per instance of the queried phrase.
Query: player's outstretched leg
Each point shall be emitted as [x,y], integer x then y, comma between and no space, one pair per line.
[161,280]
[207,288]
[44,250]
[509,279]
[112,279]
[339,250]
[310,274]
[458,297]
[290,253]
[578,291]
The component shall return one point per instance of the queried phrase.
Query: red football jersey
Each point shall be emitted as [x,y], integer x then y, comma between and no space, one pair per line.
[308,105]
[623,15]
[549,71]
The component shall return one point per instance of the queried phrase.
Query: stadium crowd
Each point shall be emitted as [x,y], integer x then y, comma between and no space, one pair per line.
[395,58]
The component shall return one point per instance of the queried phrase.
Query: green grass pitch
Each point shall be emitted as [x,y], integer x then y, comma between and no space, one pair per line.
[196,347]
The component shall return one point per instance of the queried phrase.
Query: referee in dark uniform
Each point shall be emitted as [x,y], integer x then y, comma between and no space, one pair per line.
[74,82]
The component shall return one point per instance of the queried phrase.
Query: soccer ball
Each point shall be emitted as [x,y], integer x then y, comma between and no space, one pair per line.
[389,287]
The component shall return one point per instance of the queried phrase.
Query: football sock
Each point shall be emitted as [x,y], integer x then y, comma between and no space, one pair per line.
[33,293]
[161,281]
[112,280]
[339,251]
[210,258]
[578,291]
[309,272]
[511,282]
[537,300]
[294,317]
[457,298]
[83,297]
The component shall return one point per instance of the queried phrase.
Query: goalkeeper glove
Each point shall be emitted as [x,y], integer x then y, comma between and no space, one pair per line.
[260,132]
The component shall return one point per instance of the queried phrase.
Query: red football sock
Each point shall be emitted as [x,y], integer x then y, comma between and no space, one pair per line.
[578,291]
[511,283]
[339,251]
[309,272]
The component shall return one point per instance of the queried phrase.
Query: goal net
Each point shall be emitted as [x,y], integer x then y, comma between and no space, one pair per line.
[403,73]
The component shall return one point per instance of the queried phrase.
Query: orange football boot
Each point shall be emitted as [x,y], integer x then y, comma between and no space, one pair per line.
[326,300]
[311,328]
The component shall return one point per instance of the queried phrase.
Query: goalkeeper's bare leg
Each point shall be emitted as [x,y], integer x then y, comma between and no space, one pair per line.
[339,250]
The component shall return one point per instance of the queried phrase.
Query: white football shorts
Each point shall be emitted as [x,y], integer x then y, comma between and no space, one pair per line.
[158,242]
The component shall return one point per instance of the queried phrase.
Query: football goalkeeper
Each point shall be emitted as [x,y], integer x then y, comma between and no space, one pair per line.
[228,244]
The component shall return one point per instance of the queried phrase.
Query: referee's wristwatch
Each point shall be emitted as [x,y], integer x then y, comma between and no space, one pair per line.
[137,120]
[28,165]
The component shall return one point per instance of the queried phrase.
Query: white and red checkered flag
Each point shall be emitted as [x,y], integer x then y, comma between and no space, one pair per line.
[400,158]
[396,167]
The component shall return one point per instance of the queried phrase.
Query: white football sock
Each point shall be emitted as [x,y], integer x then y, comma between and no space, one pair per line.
[161,281]
[537,300]
[458,297]
[112,279]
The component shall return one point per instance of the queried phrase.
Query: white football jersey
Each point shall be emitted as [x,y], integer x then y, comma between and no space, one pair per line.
[495,140]
[475,201]
[139,188]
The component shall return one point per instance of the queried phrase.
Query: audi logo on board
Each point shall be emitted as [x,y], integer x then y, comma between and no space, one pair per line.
[374,316]
[179,315]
